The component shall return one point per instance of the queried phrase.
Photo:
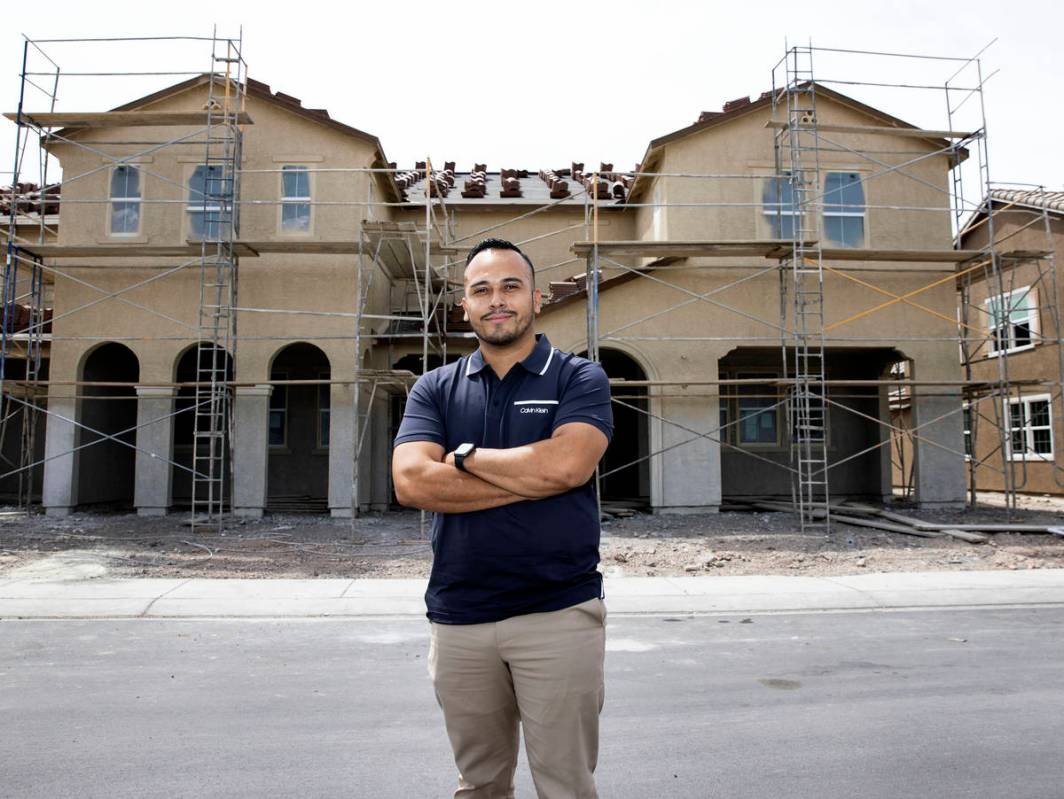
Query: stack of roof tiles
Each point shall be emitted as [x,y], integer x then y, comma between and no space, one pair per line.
[29,199]
[404,180]
[477,185]
[511,182]
[20,317]
[559,189]
[442,181]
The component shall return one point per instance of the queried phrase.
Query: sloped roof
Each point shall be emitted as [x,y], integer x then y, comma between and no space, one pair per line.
[740,107]
[1030,198]
[288,102]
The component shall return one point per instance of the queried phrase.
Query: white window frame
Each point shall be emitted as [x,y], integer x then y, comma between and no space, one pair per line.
[847,214]
[1033,321]
[770,213]
[137,200]
[296,200]
[1028,430]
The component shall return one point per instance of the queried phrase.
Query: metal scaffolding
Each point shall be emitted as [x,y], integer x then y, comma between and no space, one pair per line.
[415,250]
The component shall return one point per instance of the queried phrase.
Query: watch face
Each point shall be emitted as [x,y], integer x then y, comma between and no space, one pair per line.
[464,450]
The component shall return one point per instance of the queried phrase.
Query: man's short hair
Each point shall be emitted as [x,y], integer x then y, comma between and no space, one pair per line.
[500,244]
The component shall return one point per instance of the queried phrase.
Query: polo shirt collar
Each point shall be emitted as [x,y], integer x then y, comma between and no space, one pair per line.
[537,362]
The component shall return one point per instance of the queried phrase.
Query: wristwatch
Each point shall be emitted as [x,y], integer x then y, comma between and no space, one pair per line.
[463,452]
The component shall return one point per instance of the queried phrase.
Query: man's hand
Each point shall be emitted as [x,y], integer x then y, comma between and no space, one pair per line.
[424,480]
[545,468]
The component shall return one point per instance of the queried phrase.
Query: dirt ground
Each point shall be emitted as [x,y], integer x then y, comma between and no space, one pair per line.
[392,545]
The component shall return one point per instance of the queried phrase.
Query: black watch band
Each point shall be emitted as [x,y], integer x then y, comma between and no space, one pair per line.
[463,452]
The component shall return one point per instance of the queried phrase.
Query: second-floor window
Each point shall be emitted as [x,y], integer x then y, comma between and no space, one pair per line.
[125,201]
[295,199]
[844,211]
[1013,320]
[779,207]
[210,202]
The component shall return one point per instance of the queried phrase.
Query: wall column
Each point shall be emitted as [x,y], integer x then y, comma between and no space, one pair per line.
[939,474]
[886,449]
[690,476]
[59,493]
[342,449]
[251,412]
[155,438]
[379,444]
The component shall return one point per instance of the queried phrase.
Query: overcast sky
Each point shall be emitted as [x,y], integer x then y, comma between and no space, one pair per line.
[542,83]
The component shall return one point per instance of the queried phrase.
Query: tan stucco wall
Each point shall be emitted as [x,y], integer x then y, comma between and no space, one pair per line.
[1019,230]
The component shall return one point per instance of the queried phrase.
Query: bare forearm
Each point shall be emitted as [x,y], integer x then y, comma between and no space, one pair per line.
[442,488]
[536,470]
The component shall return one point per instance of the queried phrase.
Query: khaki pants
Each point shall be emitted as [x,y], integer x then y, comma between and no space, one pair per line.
[543,670]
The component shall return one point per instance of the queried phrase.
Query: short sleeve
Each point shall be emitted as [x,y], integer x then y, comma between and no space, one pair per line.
[422,419]
[586,398]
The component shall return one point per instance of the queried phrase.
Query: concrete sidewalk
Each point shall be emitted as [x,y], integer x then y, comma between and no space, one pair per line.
[240,598]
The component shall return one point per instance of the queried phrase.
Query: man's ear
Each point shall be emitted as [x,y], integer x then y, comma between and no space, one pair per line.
[537,301]
[465,311]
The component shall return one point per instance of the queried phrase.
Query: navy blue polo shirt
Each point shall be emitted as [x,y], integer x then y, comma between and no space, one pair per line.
[527,557]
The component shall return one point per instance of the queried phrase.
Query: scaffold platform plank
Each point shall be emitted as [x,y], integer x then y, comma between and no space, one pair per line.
[113,119]
[766,248]
[191,249]
[875,130]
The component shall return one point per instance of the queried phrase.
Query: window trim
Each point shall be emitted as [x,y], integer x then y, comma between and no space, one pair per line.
[295,200]
[751,374]
[112,200]
[320,446]
[270,409]
[862,213]
[770,214]
[1034,321]
[1028,454]
[200,208]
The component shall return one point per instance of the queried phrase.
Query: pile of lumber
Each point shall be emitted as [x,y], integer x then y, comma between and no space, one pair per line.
[863,515]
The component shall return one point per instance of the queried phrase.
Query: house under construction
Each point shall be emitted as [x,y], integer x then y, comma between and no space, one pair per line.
[241,290]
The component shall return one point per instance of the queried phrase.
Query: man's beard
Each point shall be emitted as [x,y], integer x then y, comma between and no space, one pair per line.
[500,338]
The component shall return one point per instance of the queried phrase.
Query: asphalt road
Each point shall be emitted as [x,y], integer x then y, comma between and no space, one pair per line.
[959,703]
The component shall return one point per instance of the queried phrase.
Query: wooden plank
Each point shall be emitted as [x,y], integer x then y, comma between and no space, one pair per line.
[187,250]
[329,247]
[858,521]
[768,248]
[764,248]
[878,130]
[964,535]
[112,119]
[907,256]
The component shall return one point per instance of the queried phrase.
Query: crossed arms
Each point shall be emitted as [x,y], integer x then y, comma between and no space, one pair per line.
[425,476]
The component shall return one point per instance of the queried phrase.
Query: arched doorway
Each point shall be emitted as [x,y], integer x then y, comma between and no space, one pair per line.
[298,470]
[106,466]
[625,468]
[194,362]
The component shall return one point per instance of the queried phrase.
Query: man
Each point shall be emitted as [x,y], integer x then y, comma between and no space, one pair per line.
[502,445]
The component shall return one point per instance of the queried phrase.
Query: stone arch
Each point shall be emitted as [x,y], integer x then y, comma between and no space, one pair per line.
[189,364]
[107,416]
[298,426]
